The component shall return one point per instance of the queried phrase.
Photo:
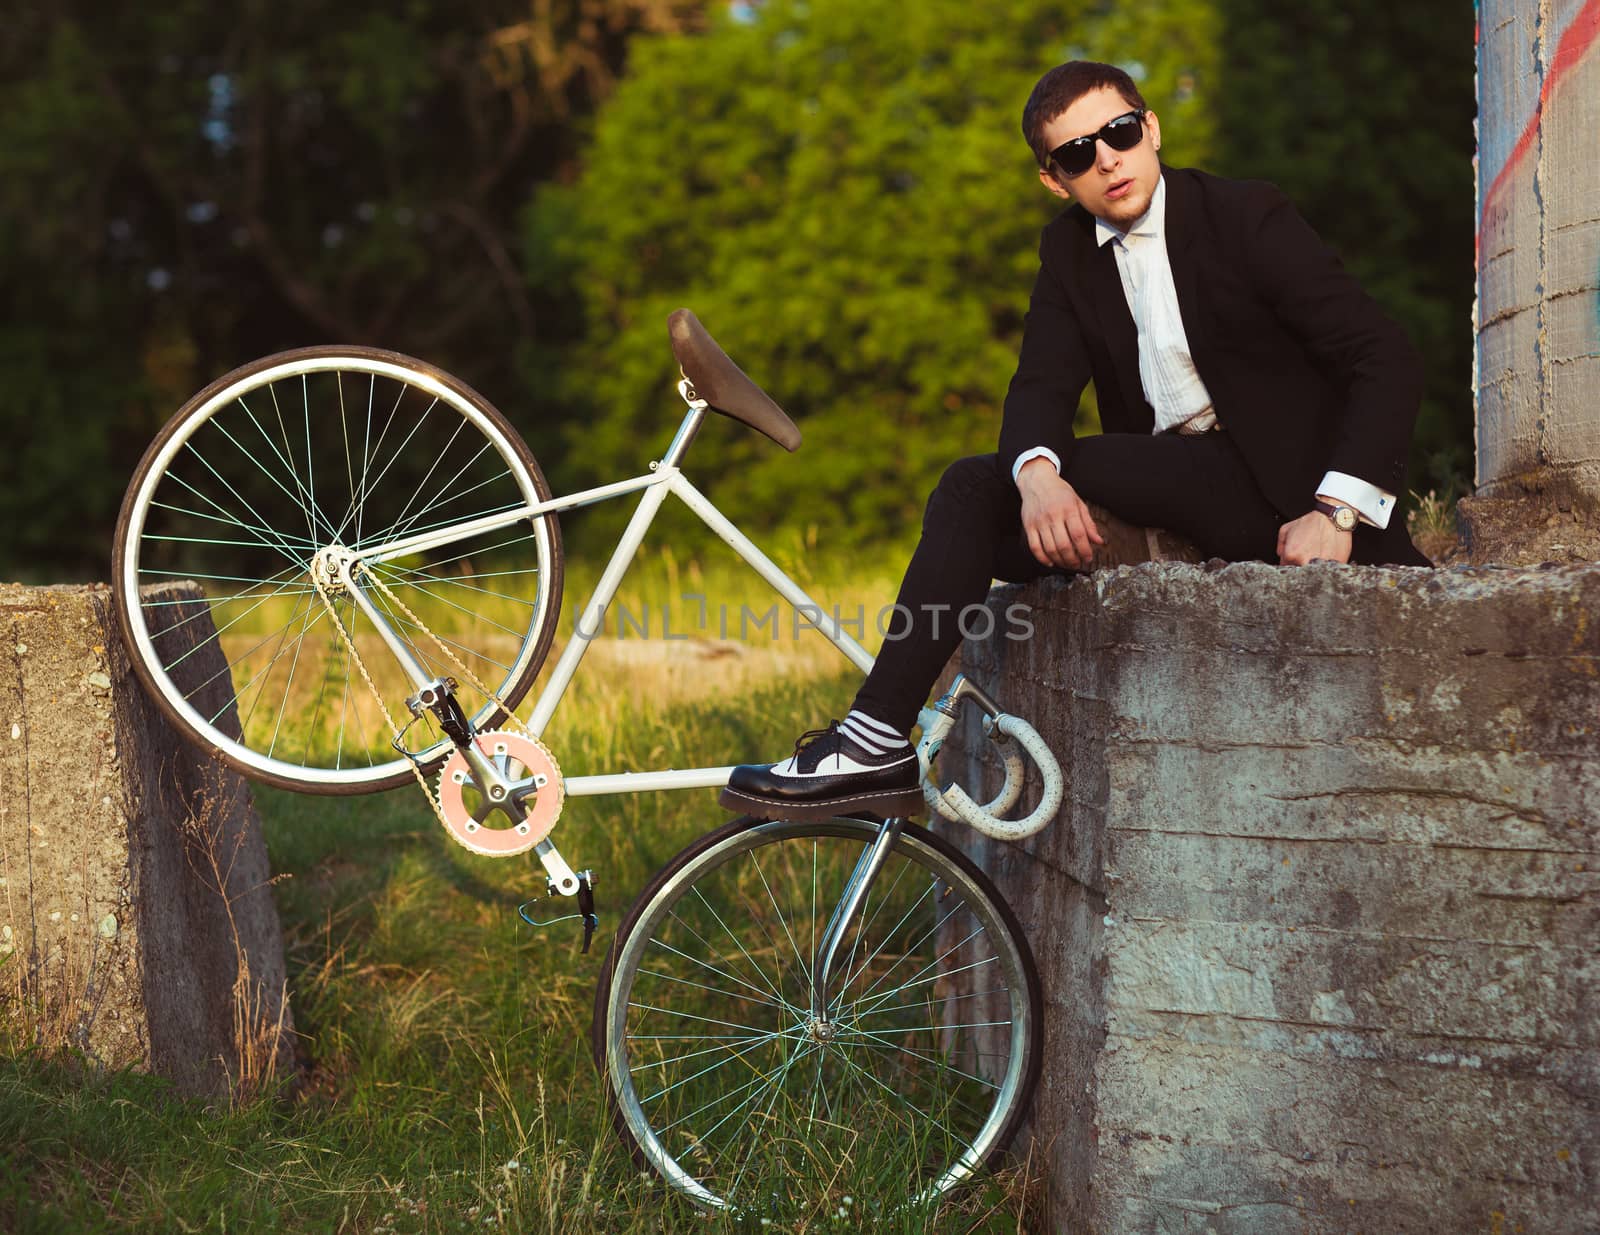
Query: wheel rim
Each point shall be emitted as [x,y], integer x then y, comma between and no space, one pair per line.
[719,1070]
[251,487]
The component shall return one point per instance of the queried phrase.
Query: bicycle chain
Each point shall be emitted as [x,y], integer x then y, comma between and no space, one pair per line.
[510,717]
[428,791]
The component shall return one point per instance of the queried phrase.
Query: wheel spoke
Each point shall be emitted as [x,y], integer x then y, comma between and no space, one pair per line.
[288,685]
[231,521]
[301,494]
[203,611]
[265,471]
[271,537]
[917,979]
[667,977]
[726,973]
[404,520]
[396,584]
[737,1056]
[722,1039]
[775,988]
[439,503]
[783,919]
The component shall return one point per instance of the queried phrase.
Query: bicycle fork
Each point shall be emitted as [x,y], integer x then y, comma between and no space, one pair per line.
[844,915]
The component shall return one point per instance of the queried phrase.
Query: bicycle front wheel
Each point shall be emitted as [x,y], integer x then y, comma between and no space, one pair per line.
[728,1086]
[259,486]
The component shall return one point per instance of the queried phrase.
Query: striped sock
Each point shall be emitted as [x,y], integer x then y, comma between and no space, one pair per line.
[873,736]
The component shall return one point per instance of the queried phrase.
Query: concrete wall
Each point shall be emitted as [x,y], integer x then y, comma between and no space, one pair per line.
[1318,928]
[120,936]
[1538,361]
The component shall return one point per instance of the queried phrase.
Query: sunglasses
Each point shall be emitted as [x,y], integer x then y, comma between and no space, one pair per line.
[1078,155]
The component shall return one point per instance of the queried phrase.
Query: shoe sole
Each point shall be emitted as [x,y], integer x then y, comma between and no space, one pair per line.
[901,803]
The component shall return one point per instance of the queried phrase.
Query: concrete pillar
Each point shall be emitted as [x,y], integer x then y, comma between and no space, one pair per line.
[137,927]
[1319,925]
[1538,252]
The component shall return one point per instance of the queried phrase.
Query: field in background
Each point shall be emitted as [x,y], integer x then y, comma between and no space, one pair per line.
[449,1085]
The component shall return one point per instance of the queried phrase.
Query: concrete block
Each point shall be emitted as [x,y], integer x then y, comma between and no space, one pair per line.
[136,920]
[1318,924]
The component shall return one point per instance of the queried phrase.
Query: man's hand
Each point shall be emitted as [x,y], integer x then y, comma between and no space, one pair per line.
[1060,531]
[1313,537]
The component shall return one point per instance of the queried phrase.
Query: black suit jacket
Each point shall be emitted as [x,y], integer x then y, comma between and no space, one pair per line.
[1305,371]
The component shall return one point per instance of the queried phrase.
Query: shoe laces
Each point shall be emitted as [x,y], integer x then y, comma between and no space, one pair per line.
[814,735]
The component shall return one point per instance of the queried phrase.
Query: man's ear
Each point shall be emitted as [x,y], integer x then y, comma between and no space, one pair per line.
[1154,125]
[1047,178]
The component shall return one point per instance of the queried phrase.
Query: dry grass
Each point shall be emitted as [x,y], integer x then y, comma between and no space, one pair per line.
[1432,524]
[214,834]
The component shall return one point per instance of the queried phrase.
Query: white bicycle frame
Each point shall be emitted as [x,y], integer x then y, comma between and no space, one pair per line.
[663,478]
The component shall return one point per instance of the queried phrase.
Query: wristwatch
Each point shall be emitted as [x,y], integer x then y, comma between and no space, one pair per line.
[1344,517]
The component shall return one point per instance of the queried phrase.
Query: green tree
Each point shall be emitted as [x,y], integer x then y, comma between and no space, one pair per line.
[186,186]
[842,193]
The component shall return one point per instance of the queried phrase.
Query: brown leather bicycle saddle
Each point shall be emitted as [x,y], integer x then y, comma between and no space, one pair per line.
[723,384]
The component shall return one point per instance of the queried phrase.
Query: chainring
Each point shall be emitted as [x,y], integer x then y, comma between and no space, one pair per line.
[468,813]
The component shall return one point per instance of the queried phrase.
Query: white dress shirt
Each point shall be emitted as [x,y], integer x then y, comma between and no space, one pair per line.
[1172,385]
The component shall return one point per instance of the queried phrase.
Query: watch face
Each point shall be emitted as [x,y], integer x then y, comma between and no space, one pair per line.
[1345,520]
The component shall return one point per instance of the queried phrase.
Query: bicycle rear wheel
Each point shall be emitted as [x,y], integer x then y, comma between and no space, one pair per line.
[724,1084]
[269,467]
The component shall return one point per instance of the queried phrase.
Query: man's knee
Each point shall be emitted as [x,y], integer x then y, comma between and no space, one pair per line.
[971,486]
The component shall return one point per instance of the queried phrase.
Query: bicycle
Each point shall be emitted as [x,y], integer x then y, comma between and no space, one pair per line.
[780,990]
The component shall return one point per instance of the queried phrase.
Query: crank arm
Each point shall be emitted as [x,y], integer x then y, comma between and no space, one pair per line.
[563,880]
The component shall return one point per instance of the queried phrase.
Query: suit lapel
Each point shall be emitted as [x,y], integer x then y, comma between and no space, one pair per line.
[1183,223]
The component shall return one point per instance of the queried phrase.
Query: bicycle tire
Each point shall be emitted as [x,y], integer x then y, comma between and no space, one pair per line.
[801,1160]
[227,496]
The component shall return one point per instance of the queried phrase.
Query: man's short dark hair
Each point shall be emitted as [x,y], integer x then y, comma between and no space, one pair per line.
[1063,86]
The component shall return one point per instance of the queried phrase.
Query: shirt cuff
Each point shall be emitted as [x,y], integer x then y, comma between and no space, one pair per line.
[1373,504]
[1040,452]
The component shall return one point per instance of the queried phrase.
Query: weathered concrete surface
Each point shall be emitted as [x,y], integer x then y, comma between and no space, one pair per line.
[1127,544]
[121,937]
[1527,531]
[1318,928]
[1538,312]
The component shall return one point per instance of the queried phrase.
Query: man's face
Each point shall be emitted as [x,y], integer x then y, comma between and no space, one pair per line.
[1120,184]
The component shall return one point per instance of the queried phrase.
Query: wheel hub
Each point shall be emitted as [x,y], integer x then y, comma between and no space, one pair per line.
[822,1032]
[327,568]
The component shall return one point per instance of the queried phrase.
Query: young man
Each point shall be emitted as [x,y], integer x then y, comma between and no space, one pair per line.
[1253,398]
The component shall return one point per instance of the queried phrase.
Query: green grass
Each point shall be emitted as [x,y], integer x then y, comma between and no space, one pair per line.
[449,1084]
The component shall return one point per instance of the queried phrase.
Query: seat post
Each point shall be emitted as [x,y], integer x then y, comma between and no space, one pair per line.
[692,421]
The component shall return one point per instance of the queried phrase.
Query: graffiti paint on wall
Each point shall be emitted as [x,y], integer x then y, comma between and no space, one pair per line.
[1513,97]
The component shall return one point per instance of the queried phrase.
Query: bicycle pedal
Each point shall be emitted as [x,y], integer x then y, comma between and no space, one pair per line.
[585,894]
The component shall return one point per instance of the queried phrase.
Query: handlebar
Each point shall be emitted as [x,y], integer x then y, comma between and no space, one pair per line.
[1015,738]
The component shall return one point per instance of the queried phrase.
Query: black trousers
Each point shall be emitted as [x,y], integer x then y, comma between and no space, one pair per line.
[1196,486]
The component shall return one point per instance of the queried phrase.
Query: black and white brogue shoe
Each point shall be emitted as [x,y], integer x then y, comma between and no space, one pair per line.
[829,774]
